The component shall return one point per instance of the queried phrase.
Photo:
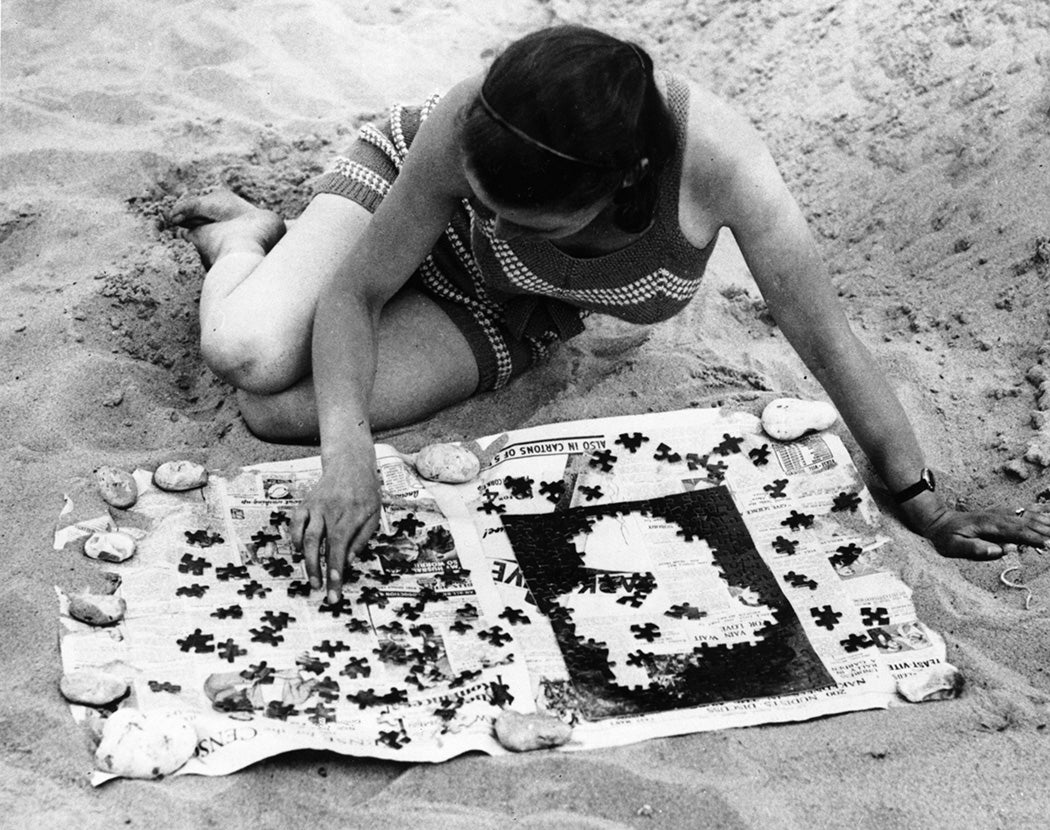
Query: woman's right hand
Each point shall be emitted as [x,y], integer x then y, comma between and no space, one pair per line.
[336,520]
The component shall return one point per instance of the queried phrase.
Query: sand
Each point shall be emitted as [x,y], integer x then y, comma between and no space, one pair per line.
[914,134]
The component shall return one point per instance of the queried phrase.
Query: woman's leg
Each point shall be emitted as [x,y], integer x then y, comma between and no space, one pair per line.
[257,309]
[424,364]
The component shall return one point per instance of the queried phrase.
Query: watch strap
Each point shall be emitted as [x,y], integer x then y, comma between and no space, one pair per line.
[925,482]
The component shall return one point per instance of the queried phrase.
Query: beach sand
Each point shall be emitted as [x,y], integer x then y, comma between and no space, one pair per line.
[915,136]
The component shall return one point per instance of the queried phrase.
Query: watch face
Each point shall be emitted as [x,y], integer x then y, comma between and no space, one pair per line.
[927,477]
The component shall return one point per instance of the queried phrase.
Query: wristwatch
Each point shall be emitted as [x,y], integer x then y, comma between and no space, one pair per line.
[925,482]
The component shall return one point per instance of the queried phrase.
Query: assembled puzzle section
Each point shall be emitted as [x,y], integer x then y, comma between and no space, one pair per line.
[669,634]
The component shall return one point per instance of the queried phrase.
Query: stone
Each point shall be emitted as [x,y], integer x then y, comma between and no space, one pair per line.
[137,744]
[1038,454]
[179,476]
[448,463]
[109,546]
[786,419]
[96,609]
[92,687]
[939,682]
[525,732]
[117,487]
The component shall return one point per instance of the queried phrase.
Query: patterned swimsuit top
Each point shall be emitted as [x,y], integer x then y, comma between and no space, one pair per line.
[648,281]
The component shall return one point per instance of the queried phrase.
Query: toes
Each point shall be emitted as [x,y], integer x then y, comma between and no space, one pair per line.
[194,210]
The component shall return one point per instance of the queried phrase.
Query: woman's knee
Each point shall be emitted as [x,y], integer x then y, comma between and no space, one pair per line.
[246,361]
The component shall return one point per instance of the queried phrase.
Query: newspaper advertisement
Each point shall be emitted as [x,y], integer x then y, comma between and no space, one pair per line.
[637,576]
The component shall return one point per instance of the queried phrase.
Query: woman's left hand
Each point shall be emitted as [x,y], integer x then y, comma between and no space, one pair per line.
[989,534]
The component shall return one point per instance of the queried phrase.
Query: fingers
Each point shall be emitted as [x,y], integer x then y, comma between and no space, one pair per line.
[340,555]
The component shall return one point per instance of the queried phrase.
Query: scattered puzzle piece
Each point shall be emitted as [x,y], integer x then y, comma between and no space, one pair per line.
[796,520]
[716,471]
[309,663]
[665,453]
[410,610]
[231,571]
[193,590]
[855,642]
[846,555]
[602,459]
[321,714]
[278,518]
[782,545]
[461,626]
[776,489]
[730,444]
[591,493]
[356,667]
[198,642]
[408,525]
[520,486]
[277,621]
[280,711]
[327,689]
[874,616]
[394,740]
[685,611]
[800,581]
[694,462]
[263,538]
[277,567]
[648,632]
[514,616]
[193,564]
[164,686]
[826,617]
[234,612]
[230,651]
[631,442]
[357,626]
[203,539]
[500,694]
[553,490]
[253,589]
[846,501]
[260,674]
[640,658]
[495,636]
[343,606]
[759,455]
[298,588]
[265,634]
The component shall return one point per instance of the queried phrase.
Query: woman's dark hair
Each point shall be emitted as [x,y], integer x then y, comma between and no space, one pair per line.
[563,116]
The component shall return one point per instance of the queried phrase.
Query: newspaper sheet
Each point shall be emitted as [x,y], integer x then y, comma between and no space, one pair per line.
[638,576]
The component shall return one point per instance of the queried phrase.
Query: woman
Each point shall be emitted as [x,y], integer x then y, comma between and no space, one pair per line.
[568,179]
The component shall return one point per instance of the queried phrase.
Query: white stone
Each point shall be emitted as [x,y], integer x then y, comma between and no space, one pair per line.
[109,546]
[939,682]
[137,744]
[177,476]
[92,687]
[96,609]
[117,487]
[450,463]
[786,419]
[524,732]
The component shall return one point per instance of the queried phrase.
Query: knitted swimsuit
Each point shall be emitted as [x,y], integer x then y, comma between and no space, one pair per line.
[528,290]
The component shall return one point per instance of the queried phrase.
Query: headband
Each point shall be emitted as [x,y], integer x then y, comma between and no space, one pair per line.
[535,142]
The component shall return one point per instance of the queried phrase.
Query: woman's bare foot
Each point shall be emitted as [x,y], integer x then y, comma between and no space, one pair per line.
[222,222]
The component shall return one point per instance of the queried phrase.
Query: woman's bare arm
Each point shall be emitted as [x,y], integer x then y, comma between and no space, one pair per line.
[342,510]
[739,176]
